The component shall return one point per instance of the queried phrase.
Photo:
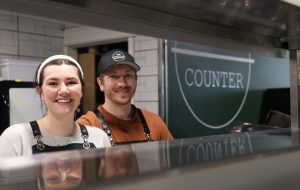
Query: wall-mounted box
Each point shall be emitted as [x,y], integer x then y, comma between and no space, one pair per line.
[20,70]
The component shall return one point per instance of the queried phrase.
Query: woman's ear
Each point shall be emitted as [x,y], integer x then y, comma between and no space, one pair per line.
[39,91]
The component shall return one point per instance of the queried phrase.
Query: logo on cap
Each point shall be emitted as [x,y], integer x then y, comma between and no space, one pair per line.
[118,56]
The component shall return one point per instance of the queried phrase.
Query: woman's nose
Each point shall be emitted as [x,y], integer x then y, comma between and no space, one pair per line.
[63,89]
[63,168]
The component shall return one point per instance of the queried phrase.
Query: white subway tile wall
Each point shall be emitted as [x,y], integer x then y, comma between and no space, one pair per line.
[147,96]
[29,38]
[9,57]
[147,83]
[8,42]
[40,26]
[9,38]
[8,21]
[146,53]
[150,106]
[145,43]
[148,59]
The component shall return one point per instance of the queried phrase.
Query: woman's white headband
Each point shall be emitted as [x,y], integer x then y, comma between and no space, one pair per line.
[55,57]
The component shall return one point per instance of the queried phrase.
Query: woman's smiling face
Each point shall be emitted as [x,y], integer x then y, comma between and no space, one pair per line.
[61,89]
[62,170]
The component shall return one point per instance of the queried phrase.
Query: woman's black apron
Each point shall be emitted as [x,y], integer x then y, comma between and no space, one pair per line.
[40,147]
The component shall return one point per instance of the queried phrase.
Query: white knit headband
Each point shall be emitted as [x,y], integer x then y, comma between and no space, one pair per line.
[55,57]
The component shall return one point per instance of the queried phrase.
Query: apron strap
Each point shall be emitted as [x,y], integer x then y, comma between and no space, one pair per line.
[37,135]
[104,126]
[107,131]
[144,123]
[85,136]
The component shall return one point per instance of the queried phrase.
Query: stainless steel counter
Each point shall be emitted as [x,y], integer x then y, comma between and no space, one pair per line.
[232,161]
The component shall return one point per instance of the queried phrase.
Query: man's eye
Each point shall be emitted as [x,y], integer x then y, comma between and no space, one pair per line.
[129,76]
[113,76]
[73,180]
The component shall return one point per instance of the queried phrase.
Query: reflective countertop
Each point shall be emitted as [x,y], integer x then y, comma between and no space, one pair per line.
[128,166]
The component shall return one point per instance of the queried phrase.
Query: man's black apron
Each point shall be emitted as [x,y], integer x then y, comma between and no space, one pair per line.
[107,131]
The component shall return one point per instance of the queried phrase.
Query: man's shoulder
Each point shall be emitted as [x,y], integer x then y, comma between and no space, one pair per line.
[151,117]
[87,116]
[147,112]
[90,118]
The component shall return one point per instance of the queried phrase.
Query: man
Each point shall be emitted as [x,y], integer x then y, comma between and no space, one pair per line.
[118,161]
[122,121]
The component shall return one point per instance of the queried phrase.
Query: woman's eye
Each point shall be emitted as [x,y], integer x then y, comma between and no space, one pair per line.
[52,83]
[72,82]
[53,179]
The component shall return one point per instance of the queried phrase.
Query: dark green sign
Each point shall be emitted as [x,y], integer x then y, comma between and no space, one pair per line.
[209,89]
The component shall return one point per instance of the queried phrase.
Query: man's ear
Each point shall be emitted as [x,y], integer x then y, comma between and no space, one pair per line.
[100,83]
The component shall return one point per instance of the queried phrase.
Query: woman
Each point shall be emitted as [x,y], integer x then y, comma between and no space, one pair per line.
[59,82]
[61,170]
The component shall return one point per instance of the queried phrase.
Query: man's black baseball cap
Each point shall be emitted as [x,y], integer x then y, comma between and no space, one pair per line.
[115,57]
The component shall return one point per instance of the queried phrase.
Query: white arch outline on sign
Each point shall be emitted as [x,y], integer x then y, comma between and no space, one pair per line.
[250,61]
